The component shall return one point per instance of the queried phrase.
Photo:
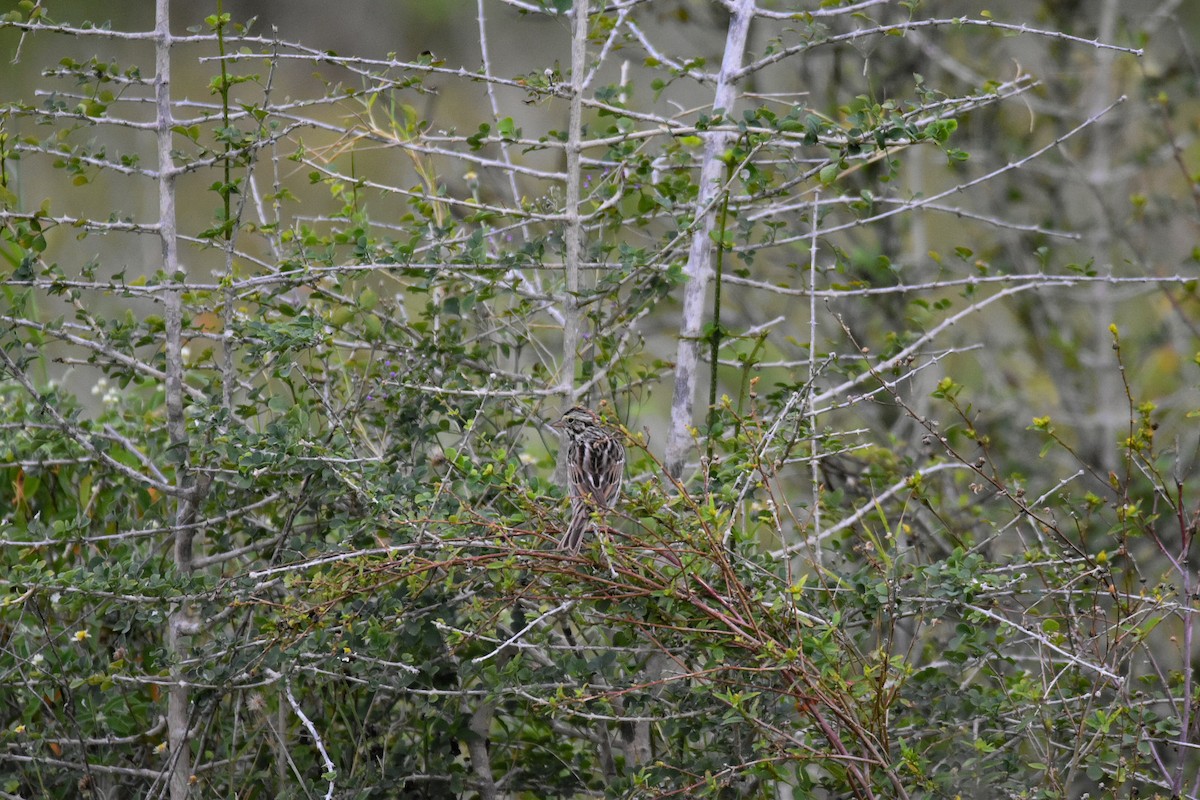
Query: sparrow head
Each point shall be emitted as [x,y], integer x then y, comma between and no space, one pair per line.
[576,420]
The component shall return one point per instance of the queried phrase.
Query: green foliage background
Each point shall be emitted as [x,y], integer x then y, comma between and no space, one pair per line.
[933,538]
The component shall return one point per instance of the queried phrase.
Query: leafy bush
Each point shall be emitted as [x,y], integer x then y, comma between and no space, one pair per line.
[278,496]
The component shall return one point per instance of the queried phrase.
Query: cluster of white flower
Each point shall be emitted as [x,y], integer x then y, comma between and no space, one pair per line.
[109,394]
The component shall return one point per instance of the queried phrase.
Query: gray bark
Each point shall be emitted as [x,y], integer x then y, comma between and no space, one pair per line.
[699,265]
